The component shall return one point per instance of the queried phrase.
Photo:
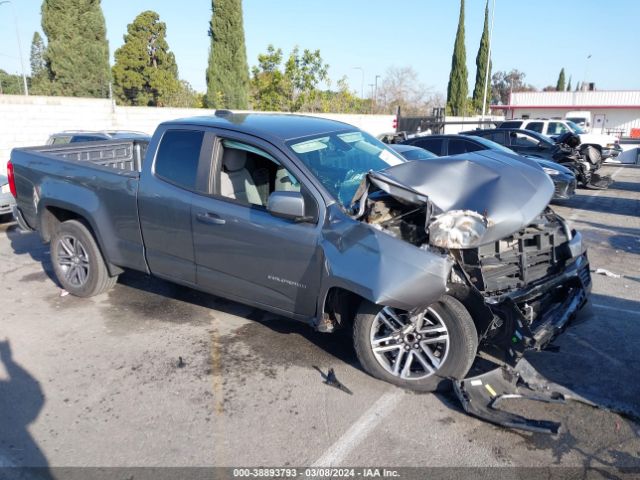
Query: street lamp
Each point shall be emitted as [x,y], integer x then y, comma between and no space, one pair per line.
[362,81]
[15,20]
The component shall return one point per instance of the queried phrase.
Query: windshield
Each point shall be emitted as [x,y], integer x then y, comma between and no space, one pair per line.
[491,145]
[574,127]
[417,154]
[341,160]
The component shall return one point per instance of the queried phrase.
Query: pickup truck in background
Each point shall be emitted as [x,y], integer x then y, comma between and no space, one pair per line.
[427,262]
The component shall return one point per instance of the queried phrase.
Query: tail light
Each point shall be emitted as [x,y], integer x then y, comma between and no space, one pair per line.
[395,123]
[12,179]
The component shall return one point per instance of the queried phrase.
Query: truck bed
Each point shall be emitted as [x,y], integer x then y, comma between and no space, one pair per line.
[96,181]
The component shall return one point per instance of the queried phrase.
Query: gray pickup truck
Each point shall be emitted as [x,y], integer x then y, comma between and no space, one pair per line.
[427,263]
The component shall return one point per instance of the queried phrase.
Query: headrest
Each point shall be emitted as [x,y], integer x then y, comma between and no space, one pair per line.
[234,160]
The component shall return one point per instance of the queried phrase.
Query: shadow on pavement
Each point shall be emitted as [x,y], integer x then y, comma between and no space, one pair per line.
[21,400]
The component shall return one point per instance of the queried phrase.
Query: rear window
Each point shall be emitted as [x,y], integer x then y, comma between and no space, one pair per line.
[434,145]
[86,138]
[178,156]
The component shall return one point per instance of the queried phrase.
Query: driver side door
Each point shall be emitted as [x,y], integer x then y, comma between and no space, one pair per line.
[242,251]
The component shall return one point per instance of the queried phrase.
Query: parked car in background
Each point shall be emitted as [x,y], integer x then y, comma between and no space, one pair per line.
[413,153]
[563,179]
[318,221]
[607,145]
[581,118]
[77,136]
[7,201]
[523,142]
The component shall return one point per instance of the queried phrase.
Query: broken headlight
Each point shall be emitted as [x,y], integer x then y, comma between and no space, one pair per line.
[457,229]
[550,171]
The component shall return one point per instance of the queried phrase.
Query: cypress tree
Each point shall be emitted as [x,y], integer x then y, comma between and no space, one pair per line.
[228,71]
[569,84]
[457,88]
[145,71]
[37,55]
[560,86]
[481,65]
[77,55]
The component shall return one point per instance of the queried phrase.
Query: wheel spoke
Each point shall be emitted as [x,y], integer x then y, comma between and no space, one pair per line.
[433,329]
[406,370]
[386,348]
[424,362]
[438,339]
[66,245]
[70,273]
[82,275]
[427,351]
[393,315]
[382,316]
[378,341]
[398,361]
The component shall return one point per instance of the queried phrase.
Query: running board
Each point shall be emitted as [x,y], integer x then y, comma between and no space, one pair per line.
[482,395]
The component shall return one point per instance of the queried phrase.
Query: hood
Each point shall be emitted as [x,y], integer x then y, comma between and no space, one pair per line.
[509,193]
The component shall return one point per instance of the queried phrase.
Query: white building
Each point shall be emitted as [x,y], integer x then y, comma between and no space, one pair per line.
[612,111]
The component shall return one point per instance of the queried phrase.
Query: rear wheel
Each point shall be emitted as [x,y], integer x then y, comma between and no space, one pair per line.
[422,353]
[77,261]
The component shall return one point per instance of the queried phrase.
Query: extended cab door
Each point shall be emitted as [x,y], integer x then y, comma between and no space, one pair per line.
[178,173]
[241,250]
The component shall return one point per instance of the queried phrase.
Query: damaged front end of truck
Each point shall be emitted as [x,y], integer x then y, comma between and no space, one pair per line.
[516,266]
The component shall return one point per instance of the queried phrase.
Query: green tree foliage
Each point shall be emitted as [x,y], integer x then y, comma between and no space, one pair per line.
[569,84]
[503,83]
[290,87]
[560,85]
[39,77]
[145,71]
[11,84]
[227,72]
[481,66]
[458,87]
[77,54]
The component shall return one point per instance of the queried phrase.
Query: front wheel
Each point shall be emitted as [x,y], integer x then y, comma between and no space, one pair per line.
[77,261]
[422,353]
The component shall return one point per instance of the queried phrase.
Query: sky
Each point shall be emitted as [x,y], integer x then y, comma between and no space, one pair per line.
[537,37]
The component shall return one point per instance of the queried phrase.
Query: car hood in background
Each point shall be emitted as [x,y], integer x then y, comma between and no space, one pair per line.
[510,194]
[3,180]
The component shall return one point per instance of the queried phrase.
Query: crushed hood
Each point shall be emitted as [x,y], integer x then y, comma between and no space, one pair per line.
[510,193]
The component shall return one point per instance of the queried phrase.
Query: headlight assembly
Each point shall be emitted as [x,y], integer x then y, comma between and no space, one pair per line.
[457,229]
[550,171]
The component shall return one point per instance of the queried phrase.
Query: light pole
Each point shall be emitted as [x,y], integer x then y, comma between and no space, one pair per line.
[361,82]
[486,74]
[585,85]
[375,92]
[15,21]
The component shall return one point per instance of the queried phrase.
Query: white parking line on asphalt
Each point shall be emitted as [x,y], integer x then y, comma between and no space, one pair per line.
[360,429]
[616,309]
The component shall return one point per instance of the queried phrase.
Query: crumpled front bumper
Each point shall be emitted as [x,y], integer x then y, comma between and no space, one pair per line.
[7,202]
[512,377]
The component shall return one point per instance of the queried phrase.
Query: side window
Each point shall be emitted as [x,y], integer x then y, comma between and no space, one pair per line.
[459,145]
[557,128]
[497,137]
[535,126]
[249,175]
[434,145]
[86,138]
[178,156]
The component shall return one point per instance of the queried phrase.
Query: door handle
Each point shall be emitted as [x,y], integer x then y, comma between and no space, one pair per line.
[210,218]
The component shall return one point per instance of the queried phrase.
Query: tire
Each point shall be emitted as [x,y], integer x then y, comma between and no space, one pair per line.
[448,358]
[77,261]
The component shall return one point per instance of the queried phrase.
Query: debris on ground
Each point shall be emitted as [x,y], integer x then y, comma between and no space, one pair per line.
[331,380]
[605,272]
[181,363]
[63,293]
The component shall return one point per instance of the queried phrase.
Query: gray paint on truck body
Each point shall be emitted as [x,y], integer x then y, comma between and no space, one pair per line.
[144,223]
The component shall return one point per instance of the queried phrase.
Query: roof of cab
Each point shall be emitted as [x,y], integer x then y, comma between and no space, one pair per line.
[278,126]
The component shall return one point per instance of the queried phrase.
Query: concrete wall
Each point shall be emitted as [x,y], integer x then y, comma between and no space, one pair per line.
[27,121]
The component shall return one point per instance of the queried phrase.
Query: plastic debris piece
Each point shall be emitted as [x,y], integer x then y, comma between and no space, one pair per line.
[605,272]
[63,293]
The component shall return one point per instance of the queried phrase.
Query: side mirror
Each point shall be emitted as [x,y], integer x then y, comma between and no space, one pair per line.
[289,205]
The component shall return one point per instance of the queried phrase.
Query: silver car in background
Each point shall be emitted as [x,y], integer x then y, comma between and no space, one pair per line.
[6,200]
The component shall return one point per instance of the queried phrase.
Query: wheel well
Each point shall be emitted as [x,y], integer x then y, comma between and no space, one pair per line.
[54,216]
[340,306]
